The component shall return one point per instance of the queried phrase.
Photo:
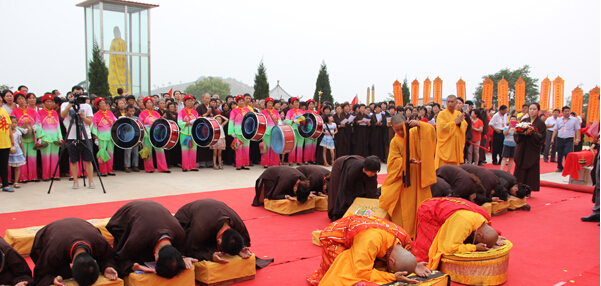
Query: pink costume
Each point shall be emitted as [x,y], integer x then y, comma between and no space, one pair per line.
[49,132]
[101,127]
[185,138]
[147,118]
[29,171]
[235,129]
[310,144]
[269,157]
[297,153]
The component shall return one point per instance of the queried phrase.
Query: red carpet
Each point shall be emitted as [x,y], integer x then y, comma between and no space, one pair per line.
[551,244]
[544,167]
[571,187]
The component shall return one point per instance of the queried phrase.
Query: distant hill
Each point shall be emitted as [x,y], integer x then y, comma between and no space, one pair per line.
[236,87]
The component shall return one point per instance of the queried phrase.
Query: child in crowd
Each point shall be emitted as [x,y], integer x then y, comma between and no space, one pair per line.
[16,158]
[220,146]
[327,142]
[130,112]
[509,144]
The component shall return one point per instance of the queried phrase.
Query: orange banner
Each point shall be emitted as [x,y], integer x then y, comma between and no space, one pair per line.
[503,92]
[576,105]
[487,89]
[520,93]
[415,92]
[438,90]
[461,89]
[558,93]
[427,86]
[545,93]
[593,106]
[397,89]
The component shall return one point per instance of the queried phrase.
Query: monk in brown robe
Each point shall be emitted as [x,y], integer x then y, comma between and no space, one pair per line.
[378,129]
[145,231]
[361,132]
[318,178]
[463,184]
[342,138]
[281,182]
[489,181]
[527,150]
[13,268]
[510,182]
[441,188]
[352,177]
[71,242]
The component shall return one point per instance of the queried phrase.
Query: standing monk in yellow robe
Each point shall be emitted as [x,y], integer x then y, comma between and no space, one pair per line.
[404,190]
[450,133]
[118,71]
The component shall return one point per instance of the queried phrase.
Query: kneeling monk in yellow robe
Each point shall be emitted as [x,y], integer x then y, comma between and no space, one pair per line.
[351,246]
[405,188]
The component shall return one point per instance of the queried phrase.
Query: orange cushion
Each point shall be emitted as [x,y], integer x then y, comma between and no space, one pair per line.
[288,207]
[315,237]
[102,281]
[515,203]
[186,278]
[367,207]
[321,204]
[237,270]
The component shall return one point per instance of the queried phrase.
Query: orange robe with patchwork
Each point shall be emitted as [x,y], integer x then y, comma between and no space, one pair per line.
[450,139]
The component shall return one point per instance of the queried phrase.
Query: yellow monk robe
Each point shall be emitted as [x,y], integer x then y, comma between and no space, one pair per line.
[451,139]
[356,264]
[402,202]
[452,234]
[118,73]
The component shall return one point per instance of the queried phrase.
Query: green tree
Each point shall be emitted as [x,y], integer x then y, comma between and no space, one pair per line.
[323,85]
[98,74]
[211,85]
[406,92]
[5,86]
[261,84]
[532,91]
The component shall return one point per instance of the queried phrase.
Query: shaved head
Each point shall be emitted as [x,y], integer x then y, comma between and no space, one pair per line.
[487,235]
[397,119]
[402,260]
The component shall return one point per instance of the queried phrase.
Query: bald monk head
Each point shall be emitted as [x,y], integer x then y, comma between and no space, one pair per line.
[451,102]
[487,235]
[401,260]
[169,262]
[85,269]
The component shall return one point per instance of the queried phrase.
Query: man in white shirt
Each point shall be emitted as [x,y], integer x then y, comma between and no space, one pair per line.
[566,129]
[498,122]
[86,115]
[550,122]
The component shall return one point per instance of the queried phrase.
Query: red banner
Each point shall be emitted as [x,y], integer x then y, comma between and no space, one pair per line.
[397,89]
[520,93]
[558,93]
[503,92]
[593,105]
[545,93]
[438,90]
[487,88]
[415,92]
[576,105]
[427,86]
[461,89]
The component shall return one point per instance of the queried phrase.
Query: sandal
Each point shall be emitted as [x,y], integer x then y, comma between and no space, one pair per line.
[16,185]
[220,167]
[215,168]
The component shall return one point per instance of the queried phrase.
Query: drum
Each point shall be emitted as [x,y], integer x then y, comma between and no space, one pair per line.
[164,134]
[127,133]
[313,126]
[254,126]
[282,139]
[206,131]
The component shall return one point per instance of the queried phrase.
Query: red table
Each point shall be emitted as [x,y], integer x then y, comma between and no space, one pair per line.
[571,166]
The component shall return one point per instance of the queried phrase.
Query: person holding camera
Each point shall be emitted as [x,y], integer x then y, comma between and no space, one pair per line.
[69,110]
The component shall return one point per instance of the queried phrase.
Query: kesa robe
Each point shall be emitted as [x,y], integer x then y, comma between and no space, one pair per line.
[315,175]
[54,245]
[506,179]
[347,182]
[461,183]
[400,199]
[275,183]
[450,139]
[137,228]
[15,267]
[350,247]
[527,155]
[487,178]
[443,226]
[202,220]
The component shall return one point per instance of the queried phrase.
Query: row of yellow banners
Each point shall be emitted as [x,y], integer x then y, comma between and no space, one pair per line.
[547,87]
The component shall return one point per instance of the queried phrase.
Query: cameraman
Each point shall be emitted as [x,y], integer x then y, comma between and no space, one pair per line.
[86,115]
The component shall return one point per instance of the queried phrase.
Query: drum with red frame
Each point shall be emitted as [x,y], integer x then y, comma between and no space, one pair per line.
[313,126]
[206,131]
[254,126]
[164,134]
[282,139]
[127,133]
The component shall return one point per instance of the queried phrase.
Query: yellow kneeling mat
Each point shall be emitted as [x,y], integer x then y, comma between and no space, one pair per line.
[237,270]
[186,278]
[515,203]
[102,281]
[21,239]
[367,207]
[321,204]
[499,208]
[488,208]
[315,238]
[288,207]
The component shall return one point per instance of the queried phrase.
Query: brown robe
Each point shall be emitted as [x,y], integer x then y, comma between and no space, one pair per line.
[137,228]
[315,175]
[53,247]
[506,179]
[361,136]
[460,181]
[441,188]
[487,178]
[376,137]
[342,138]
[205,154]
[275,183]
[15,267]
[347,182]
[202,220]
[527,155]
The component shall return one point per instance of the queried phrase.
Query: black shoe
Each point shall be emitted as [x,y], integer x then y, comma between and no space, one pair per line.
[245,168]
[194,170]
[546,161]
[70,178]
[135,169]
[184,170]
[251,165]
[111,174]
[166,172]
[238,169]
[553,161]
[591,218]
[102,175]
[265,167]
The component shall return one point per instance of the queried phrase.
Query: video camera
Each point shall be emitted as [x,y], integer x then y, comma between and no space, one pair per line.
[78,98]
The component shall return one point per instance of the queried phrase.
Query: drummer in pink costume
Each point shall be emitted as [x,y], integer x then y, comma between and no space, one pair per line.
[235,130]
[310,144]
[292,119]
[269,157]
[147,117]
[184,120]
[27,118]
[50,132]
[101,131]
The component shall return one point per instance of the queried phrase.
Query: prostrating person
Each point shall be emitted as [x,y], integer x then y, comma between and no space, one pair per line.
[13,267]
[71,247]
[463,184]
[351,247]
[490,182]
[318,178]
[352,177]
[281,182]
[145,231]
